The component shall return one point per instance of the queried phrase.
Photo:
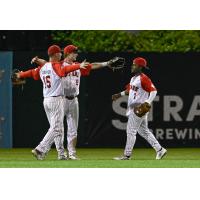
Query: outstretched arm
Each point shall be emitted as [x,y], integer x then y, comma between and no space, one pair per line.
[63,71]
[114,63]
[100,65]
[38,61]
[32,73]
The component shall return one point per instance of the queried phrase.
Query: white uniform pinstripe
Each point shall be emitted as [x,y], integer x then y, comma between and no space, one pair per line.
[71,85]
[72,116]
[139,86]
[53,104]
[71,111]
[136,124]
[54,110]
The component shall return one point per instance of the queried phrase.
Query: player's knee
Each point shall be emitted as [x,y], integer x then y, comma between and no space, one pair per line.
[57,130]
[131,132]
[143,134]
[72,134]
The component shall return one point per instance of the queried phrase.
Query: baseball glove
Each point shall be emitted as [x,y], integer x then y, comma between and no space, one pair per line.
[142,109]
[116,63]
[15,80]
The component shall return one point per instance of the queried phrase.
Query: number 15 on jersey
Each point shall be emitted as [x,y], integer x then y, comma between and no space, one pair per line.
[47,81]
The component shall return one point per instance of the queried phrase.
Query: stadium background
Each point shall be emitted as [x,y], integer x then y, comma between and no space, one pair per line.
[174,70]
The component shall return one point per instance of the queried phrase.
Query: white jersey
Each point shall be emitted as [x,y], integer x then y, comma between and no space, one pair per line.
[71,82]
[139,88]
[52,83]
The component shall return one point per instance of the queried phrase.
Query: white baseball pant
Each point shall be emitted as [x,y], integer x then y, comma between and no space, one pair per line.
[71,111]
[54,110]
[136,124]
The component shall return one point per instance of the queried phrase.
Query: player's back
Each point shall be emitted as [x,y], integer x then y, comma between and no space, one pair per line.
[52,83]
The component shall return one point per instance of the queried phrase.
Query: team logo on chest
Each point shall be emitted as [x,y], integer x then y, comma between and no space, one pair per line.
[74,73]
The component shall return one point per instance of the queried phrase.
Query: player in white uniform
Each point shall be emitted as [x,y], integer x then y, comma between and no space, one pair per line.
[72,84]
[51,74]
[71,90]
[140,90]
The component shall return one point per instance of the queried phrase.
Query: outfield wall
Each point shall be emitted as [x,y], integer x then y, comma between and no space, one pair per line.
[174,118]
[5,100]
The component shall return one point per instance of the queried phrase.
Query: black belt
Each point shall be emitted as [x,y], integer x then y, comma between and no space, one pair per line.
[70,98]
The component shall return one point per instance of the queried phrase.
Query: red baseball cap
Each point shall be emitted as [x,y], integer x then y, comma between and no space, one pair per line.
[140,61]
[70,49]
[54,49]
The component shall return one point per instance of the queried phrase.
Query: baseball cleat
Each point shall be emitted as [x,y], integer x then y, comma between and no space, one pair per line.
[63,157]
[73,157]
[160,154]
[124,157]
[39,155]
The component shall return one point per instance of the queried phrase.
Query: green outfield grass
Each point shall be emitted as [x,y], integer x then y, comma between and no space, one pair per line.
[102,158]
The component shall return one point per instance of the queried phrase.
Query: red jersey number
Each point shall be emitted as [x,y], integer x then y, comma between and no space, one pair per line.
[47,81]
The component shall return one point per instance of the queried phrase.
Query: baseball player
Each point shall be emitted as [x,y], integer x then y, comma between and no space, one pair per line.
[141,93]
[51,74]
[71,91]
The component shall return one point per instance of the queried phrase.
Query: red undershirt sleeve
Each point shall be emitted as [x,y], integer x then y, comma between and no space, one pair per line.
[32,73]
[86,72]
[63,71]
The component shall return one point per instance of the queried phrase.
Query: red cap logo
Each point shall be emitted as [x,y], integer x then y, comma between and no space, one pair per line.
[54,49]
[140,61]
[70,49]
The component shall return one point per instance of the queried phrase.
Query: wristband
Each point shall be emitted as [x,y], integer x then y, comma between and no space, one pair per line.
[103,64]
[123,93]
